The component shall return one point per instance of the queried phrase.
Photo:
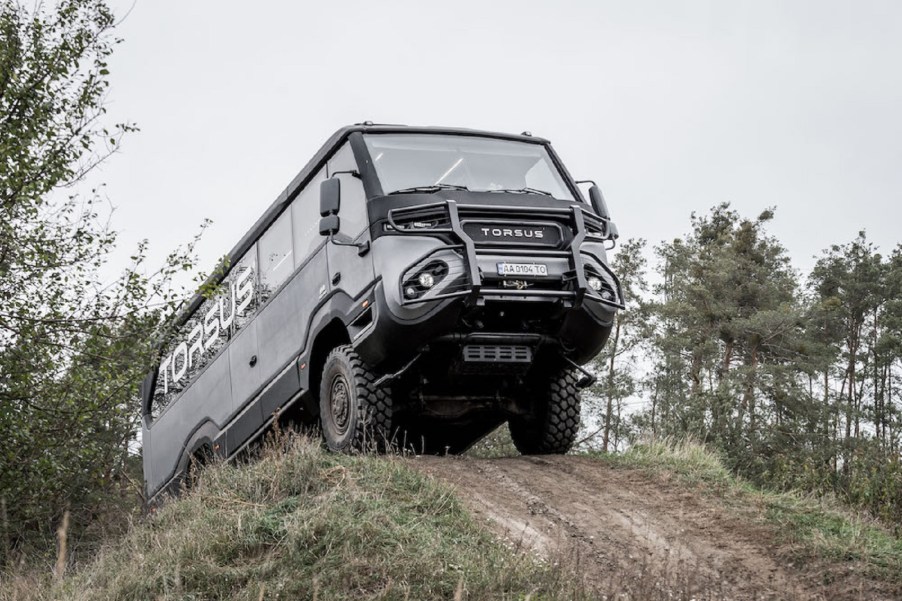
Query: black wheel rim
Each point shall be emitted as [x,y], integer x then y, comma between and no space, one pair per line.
[340,403]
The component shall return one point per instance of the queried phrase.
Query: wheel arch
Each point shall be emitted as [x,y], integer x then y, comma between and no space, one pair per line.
[198,451]
[333,334]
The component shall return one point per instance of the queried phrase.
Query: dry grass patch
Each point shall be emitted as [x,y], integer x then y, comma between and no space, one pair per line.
[300,523]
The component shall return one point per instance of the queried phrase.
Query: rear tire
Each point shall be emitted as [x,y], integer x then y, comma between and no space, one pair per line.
[355,414]
[553,422]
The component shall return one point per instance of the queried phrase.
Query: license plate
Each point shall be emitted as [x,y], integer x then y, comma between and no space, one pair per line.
[525,269]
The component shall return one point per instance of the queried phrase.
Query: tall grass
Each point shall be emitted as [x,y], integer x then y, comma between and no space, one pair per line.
[304,524]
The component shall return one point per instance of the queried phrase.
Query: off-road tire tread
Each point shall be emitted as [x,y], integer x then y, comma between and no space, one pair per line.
[374,406]
[553,430]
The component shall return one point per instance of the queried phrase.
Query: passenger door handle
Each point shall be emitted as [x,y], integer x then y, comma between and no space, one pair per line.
[336,278]
[253,361]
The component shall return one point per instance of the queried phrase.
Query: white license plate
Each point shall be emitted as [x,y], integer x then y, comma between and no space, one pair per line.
[527,269]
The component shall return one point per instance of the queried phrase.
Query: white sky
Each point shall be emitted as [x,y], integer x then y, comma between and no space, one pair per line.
[671,107]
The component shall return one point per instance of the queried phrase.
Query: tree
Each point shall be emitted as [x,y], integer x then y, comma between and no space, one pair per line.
[72,348]
[797,387]
[728,324]
[616,364]
[855,292]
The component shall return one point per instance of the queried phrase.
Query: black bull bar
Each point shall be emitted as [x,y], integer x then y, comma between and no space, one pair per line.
[444,218]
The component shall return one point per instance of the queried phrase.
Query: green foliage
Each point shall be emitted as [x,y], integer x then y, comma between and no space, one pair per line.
[729,321]
[72,345]
[798,387]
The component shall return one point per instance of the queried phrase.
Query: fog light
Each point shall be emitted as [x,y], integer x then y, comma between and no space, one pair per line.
[594,283]
[426,280]
[410,292]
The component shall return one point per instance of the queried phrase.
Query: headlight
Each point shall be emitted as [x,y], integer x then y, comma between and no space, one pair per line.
[423,279]
[594,283]
[426,280]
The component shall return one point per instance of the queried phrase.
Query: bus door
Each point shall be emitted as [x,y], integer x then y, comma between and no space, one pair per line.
[348,270]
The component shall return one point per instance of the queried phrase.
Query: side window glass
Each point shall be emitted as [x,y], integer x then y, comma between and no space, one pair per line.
[305,219]
[353,199]
[276,257]
[241,298]
[196,342]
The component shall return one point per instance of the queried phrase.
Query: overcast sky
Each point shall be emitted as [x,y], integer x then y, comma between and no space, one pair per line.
[672,107]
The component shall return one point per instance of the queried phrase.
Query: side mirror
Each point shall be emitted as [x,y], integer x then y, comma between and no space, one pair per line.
[329,225]
[598,204]
[329,197]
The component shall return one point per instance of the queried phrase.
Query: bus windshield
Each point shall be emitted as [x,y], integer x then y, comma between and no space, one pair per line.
[430,162]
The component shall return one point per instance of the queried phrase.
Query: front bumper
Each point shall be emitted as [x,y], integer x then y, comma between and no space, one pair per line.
[468,289]
[465,270]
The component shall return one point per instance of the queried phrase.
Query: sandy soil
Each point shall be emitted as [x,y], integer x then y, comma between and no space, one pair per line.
[635,532]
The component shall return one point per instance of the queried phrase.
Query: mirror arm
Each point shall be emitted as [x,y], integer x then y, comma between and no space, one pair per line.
[362,247]
[351,172]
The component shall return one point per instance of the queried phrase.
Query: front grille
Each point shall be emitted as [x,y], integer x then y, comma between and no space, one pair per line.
[494,226]
[515,233]
[507,226]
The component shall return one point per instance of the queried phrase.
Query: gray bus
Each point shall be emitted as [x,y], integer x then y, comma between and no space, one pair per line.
[412,286]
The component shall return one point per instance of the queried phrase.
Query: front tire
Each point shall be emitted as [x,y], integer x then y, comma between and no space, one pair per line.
[551,426]
[355,413]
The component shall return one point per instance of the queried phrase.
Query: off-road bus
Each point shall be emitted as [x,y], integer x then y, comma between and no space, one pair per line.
[412,286]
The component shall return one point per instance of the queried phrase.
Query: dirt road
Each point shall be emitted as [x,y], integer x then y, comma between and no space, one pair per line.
[639,533]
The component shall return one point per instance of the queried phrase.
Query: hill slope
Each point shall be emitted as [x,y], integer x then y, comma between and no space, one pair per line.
[304,524]
[669,521]
[660,522]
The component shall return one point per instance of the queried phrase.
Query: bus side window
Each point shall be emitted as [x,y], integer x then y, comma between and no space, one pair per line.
[241,298]
[305,219]
[276,258]
[353,198]
[200,338]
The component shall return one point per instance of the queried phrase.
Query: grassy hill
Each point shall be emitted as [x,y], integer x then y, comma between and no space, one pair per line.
[301,523]
[304,524]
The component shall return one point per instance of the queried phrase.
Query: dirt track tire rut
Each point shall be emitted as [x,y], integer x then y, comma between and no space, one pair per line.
[629,530]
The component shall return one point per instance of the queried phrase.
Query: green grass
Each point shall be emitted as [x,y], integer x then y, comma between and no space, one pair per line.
[300,523]
[814,528]
[304,524]
[497,443]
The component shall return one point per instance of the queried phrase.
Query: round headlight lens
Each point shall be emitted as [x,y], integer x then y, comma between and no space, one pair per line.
[594,283]
[411,292]
[426,280]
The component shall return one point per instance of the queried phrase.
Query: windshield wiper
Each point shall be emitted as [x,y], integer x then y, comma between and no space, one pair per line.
[431,188]
[526,190]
